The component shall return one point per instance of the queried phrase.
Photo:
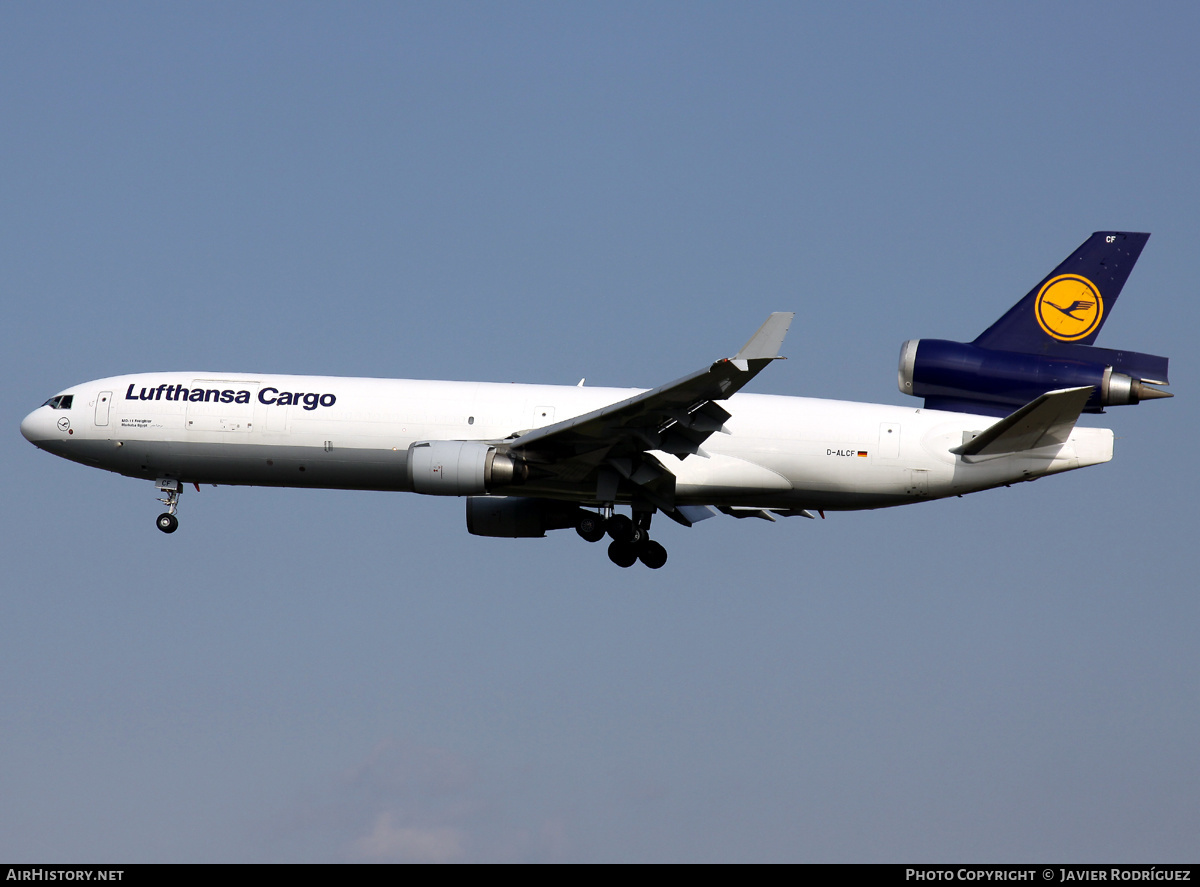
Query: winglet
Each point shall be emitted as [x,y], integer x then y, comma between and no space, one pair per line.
[765,344]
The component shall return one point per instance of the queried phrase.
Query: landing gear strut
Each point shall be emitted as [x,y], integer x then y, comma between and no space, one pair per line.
[167,521]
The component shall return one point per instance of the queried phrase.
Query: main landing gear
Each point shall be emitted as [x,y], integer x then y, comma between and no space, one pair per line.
[167,521]
[631,540]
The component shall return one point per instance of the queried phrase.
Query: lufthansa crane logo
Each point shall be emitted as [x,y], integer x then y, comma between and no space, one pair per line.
[1069,307]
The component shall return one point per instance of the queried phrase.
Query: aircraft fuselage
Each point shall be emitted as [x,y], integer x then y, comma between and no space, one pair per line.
[354,433]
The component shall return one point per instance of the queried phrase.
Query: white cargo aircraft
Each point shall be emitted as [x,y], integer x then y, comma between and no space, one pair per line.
[532,458]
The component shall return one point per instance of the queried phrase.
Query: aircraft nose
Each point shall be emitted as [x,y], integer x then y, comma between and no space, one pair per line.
[34,426]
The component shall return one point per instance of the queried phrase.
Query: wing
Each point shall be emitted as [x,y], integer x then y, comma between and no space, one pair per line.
[603,455]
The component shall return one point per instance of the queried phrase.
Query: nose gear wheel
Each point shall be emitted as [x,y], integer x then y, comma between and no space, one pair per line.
[171,488]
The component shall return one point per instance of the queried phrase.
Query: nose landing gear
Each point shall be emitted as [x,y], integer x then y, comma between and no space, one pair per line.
[167,521]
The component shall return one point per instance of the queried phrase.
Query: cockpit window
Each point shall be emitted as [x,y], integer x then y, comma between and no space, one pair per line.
[61,402]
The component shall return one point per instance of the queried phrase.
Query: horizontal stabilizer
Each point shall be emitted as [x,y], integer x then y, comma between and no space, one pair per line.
[1045,422]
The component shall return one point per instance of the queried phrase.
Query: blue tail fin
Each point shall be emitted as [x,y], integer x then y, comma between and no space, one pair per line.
[1043,343]
[1071,304]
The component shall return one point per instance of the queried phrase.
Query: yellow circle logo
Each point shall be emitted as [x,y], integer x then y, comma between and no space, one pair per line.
[1069,307]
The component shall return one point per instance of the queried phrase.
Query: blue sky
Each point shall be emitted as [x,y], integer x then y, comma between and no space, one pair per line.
[539,193]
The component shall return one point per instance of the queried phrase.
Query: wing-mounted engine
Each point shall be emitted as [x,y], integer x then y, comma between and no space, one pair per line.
[518,517]
[1043,343]
[461,468]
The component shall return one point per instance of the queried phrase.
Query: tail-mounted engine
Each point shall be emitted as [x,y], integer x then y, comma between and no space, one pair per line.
[965,377]
[461,468]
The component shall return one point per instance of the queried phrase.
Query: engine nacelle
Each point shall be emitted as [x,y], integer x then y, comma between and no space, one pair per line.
[517,517]
[461,468]
[962,376]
